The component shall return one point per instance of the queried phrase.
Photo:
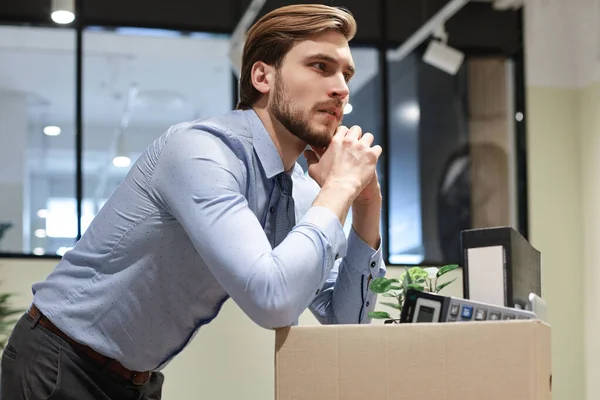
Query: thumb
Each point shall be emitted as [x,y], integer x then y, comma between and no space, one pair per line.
[311,157]
[319,151]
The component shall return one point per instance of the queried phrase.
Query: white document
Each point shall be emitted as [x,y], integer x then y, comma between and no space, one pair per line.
[486,274]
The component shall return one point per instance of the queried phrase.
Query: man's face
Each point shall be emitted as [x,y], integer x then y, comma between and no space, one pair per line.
[311,88]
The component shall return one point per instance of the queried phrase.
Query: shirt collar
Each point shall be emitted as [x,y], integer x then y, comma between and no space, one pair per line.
[263,145]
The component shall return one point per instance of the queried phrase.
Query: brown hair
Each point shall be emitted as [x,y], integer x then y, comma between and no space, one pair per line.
[273,35]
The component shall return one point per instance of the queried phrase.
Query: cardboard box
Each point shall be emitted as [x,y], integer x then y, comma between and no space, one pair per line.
[491,360]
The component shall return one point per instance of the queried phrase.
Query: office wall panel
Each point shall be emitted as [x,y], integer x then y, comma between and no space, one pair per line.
[174,14]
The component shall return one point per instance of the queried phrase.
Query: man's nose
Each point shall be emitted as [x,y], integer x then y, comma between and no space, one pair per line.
[339,88]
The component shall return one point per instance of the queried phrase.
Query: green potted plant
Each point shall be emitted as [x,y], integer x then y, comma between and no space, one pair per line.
[4,227]
[7,322]
[7,318]
[6,311]
[416,278]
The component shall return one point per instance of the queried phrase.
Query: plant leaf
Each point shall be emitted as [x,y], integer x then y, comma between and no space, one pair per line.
[382,285]
[416,286]
[389,295]
[443,285]
[417,273]
[5,326]
[393,305]
[379,315]
[407,277]
[446,269]
[8,312]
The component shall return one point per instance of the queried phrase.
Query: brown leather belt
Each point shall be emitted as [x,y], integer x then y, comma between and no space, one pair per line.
[137,378]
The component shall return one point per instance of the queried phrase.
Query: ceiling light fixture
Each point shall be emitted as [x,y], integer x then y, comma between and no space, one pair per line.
[63,11]
[52,130]
[121,159]
[40,233]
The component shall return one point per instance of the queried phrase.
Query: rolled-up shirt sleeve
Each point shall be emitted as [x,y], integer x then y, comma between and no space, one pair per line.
[201,182]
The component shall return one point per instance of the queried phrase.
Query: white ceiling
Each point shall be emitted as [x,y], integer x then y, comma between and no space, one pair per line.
[179,79]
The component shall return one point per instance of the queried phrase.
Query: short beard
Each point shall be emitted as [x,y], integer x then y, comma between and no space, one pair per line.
[295,120]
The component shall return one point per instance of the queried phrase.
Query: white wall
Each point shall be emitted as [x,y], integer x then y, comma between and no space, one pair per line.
[563,101]
[590,210]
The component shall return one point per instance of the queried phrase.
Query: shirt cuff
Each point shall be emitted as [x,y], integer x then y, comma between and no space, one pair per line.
[363,258]
[329,224]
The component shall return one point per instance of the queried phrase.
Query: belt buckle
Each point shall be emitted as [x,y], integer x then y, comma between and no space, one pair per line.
[140,378]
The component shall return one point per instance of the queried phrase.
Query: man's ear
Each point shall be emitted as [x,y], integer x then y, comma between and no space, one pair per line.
[262,76]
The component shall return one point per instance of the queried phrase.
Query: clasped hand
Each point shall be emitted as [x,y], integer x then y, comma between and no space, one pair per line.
[350,160]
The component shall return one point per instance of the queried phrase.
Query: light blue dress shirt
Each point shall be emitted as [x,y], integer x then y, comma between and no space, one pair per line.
[188,228]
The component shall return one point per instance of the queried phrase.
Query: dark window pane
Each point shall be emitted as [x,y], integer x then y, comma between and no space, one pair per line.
[404,185]
[451,146]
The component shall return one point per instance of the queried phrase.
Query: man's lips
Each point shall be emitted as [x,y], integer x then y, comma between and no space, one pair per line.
[333,111]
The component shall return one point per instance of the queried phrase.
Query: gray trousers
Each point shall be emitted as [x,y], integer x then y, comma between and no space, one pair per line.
[39,365]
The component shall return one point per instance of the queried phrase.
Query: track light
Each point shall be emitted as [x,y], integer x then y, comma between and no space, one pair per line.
[442,56]
[63,11]
[425,31]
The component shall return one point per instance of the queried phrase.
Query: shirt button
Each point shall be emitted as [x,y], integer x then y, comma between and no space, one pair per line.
[272,210]
[373,264]
[368,303]
[318,291]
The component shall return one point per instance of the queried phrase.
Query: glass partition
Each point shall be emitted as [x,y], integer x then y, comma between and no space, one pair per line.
[137,83]
[37,137]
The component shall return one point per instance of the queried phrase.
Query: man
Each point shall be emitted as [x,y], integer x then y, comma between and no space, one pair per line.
[205,214]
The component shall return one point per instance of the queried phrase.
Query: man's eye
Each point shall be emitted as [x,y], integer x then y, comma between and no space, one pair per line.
[319,65]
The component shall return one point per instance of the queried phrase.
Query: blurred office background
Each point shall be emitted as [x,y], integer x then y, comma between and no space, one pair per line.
[81,101]
[503,134]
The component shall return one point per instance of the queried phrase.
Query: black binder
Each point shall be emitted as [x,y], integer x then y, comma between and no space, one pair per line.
[499,267]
